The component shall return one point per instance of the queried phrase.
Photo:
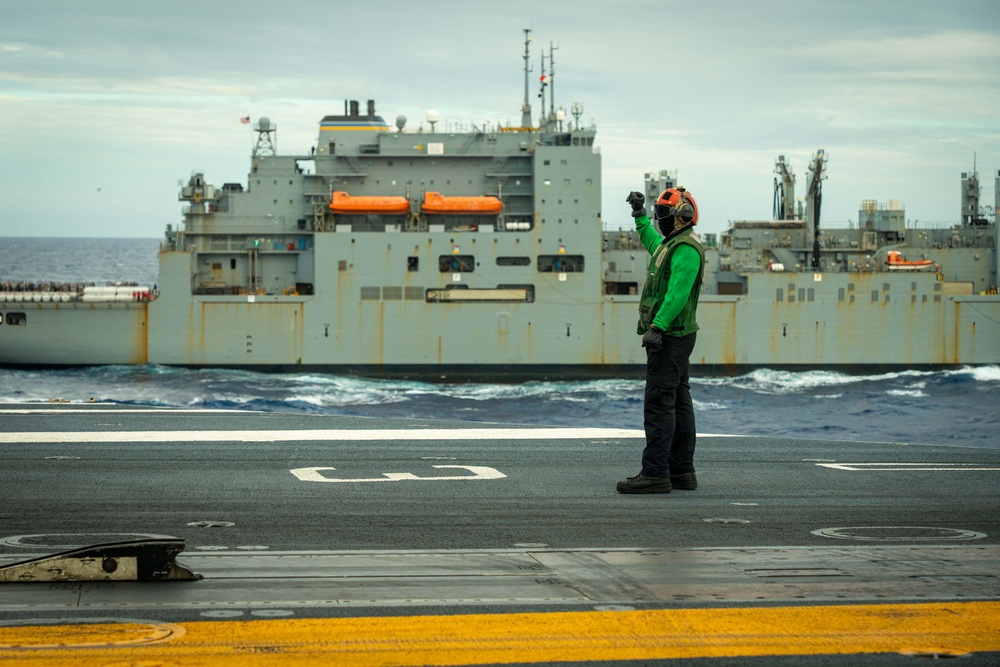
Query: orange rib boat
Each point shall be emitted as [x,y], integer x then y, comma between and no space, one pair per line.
[387,205]
[435,202]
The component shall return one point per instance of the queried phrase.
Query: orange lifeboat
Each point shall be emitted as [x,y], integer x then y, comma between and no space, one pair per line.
[896,262]
[435,202]
[345,203]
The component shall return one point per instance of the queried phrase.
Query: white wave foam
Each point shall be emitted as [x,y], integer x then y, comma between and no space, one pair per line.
[311,400]
[777,382]
[981,373]
[709,405]
[908,393]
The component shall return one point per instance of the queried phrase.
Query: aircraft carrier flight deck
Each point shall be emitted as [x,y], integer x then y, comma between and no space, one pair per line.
[226,537]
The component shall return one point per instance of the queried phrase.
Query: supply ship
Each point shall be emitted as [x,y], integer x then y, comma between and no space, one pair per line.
[480,253]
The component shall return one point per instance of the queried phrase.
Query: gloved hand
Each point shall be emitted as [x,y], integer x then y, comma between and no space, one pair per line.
[653,339]
[637,200]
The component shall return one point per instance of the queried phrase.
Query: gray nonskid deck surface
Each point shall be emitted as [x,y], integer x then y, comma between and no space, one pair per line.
[335,516]
[628,579]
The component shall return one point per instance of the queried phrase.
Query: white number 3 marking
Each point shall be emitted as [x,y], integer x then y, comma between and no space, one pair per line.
[478,472]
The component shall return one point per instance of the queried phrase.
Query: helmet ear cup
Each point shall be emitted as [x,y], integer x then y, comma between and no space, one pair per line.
[685,212]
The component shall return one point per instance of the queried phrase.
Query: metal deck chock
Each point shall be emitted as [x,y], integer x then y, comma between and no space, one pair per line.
[130,560]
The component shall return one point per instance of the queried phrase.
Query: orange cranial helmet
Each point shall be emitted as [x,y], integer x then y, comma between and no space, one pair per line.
[676,202]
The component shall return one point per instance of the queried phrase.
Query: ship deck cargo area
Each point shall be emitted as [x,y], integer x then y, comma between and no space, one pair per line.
[365,541]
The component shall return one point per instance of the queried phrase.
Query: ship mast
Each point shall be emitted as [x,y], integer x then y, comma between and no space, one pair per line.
[543,124]
[547,121]
[526,107]
[266,137]
[552,83]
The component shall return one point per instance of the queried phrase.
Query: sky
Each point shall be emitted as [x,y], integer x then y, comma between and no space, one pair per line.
[108,104]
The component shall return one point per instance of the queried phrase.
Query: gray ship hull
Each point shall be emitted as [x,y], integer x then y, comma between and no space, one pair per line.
[883,321]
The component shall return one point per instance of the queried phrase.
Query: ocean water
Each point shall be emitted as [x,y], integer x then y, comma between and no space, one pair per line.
[950,408]
[63,260]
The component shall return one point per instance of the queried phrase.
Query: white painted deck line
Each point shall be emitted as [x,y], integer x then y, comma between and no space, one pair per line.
[323,434]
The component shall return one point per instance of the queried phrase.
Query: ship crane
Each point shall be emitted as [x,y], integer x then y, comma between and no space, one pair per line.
[814,198]
[784,190]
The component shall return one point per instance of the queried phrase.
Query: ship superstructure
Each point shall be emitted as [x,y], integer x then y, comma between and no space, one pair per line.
[480,253]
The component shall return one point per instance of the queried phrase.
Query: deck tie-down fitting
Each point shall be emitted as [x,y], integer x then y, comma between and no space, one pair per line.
[130,560]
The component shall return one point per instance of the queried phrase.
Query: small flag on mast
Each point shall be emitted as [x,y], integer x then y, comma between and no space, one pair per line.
[245,120]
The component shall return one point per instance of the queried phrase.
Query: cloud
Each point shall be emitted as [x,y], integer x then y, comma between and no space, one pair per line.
[138,96]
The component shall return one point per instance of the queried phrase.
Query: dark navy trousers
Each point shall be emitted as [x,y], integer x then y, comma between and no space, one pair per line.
[668,414]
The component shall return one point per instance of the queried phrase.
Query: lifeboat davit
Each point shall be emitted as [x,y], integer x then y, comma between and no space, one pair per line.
[344,203]
[896,262]
[435,202]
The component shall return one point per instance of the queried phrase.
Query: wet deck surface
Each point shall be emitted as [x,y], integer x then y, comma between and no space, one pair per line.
[498,541]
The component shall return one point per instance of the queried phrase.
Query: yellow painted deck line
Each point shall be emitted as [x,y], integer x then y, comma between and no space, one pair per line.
[955,627]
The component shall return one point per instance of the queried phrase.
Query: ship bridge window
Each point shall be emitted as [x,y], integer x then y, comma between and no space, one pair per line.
[611,287]
[17,319]
[412,263]
[456,263]
[560,263]
[513,261]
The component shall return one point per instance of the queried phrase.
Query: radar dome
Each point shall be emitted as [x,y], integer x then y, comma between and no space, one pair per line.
[433,116]
[264,123]
[400,122]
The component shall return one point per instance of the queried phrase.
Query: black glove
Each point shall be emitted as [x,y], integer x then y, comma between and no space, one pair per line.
[637,200]
[653,339]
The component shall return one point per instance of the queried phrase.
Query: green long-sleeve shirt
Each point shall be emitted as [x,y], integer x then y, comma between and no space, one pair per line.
[679,293]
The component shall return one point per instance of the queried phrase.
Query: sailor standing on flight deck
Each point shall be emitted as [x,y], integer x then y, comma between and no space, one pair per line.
[667,324]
